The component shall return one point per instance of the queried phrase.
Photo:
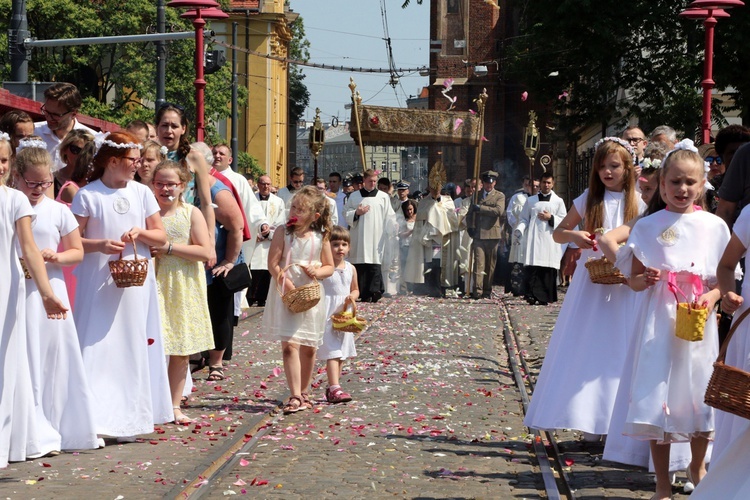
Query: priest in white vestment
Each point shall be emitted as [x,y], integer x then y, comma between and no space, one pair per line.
[541,214]
[275,213]
[371,222]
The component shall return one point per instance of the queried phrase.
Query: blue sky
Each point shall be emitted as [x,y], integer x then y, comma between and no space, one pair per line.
[350,33]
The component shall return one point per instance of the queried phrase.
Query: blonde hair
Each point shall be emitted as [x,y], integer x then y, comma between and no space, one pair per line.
[594,217]
[312,199]
[32,157]
[180,169]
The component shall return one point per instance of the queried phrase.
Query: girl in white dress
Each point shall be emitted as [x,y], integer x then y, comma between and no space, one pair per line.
[581,372]
[120,328]
[727,478]
[61,389]
[342,285]
[305,243]
[18,423]
[674,252]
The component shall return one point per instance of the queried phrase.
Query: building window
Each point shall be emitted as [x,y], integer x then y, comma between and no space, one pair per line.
[394,167]
[384,166]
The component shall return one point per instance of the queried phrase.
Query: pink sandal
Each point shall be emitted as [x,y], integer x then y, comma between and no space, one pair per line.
[337,395]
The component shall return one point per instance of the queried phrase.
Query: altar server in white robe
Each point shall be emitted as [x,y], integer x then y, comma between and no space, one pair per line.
[541,214]
[430,254]
[275,214]
[371,222]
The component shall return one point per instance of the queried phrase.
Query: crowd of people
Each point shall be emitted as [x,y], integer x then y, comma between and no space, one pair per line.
[189,232]
[620,367]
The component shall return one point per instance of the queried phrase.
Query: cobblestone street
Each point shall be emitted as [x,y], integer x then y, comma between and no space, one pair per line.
[436,414]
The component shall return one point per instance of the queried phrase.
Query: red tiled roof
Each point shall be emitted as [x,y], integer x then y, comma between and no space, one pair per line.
[244,4]
[10,101]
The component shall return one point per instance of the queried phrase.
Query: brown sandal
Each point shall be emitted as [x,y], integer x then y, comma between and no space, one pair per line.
[293,405]
[306,403]
[215,373]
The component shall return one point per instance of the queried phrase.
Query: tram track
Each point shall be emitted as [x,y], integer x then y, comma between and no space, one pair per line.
[557,484]
[247,438]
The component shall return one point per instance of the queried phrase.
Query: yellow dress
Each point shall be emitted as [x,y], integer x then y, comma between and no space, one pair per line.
[186,324]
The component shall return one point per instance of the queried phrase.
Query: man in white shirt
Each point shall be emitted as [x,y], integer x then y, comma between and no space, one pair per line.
[371,221]
[334,187]
[296,181]
[61,104]
[275,214]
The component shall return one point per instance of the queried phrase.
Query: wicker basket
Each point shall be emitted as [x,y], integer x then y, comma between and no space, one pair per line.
[302,298]
[347,321]
[603,272]
[26,273]
[691,321]
[729,387]
[127,273]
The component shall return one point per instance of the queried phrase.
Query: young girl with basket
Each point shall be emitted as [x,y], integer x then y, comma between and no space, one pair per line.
[297,259]
[341,292]
[61,388]
[581,372]
[19,433]
[727,478]
[120,328]
[674,254]
[180,277]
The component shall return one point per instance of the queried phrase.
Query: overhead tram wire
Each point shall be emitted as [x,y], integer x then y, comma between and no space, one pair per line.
[389,49]
[313,65]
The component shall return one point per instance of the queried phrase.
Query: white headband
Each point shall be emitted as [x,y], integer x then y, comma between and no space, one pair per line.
[30,143]
[619,141]
[100,139]
[4,137]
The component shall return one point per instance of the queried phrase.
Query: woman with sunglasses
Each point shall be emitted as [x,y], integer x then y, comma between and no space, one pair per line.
[70,148]
[715,175]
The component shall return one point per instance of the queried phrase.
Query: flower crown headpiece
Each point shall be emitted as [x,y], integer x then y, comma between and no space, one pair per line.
[100,139]
[619,141]
[4,137]
[650,163]
[30,143]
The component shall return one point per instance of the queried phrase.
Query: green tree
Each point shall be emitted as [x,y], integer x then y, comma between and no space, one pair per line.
[247,164]
[299,96]
[117,80]
[579,57]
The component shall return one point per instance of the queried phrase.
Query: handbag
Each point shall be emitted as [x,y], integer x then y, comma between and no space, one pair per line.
[238,278]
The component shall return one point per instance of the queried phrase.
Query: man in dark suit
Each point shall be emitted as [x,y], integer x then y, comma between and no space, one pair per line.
[484,225]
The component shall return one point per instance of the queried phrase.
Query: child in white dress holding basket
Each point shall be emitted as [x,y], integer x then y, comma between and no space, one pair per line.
[727,478]
[581,372]
[673,255]
[297,259]
[341,293]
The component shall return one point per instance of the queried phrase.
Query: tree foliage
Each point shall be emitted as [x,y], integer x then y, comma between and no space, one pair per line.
[579,57]
[299,96]
[248,164]
[117,80]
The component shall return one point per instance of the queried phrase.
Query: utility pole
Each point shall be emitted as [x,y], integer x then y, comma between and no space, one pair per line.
[235,113]
[18,32]
[161,54]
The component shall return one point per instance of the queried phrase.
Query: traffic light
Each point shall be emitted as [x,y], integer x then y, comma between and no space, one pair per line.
[215,59]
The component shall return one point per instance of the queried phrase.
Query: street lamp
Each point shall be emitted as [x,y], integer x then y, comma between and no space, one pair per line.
[531,142]
[203,9]
[709,11]
[316,142]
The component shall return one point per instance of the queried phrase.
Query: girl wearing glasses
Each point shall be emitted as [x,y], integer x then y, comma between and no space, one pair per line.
[120,328]
[181,278]
[59,381]
[19,431]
